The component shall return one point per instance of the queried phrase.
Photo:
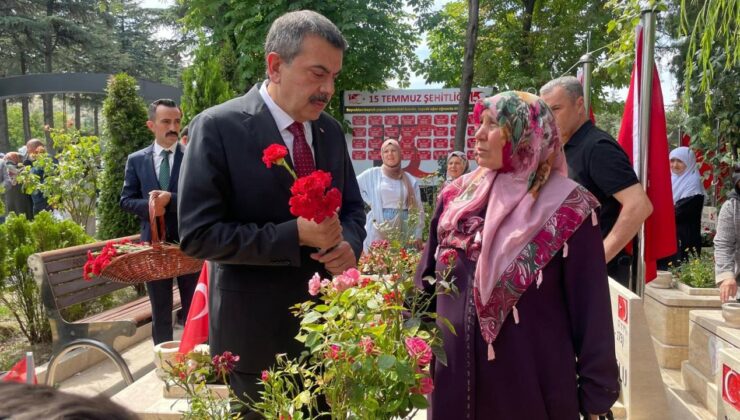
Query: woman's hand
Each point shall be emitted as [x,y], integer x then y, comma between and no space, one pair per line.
[728,290]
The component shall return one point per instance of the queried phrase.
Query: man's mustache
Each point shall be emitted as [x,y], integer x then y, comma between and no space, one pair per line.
[172,132]
[319,98]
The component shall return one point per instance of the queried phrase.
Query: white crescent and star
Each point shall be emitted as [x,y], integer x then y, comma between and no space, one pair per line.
[726,384]
[202,289]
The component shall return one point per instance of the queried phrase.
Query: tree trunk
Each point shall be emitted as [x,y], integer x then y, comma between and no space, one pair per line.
[26,119]
[4,137]
[96,127]
[77,111]
[48,101]
[49,98]
[471,39]
[24,103]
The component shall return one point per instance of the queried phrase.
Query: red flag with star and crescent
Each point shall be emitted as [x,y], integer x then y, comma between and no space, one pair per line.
[196,326]
[660,227]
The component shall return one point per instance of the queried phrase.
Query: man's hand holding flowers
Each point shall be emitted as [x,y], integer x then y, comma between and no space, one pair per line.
[161,199]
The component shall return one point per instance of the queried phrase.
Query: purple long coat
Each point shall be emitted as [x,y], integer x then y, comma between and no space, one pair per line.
[559,360]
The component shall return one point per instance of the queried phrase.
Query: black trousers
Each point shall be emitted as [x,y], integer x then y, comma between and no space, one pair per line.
[160,296]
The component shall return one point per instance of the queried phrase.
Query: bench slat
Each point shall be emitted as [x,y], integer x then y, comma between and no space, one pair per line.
[95,288]
[85,295]
[64,276]
[120,312]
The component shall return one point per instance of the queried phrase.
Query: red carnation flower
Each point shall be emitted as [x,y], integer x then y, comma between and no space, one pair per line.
[274,154]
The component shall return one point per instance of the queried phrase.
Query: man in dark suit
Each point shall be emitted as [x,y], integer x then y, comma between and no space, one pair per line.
[234,210]
[152,173]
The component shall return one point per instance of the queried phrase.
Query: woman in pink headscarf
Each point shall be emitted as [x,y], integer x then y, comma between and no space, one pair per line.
[534,336]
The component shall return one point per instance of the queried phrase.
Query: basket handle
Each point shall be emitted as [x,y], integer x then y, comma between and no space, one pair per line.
[154,220]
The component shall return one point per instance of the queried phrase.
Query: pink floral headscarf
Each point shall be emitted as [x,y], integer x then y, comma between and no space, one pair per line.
[522,202]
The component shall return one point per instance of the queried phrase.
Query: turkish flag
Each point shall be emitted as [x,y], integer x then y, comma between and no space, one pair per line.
[19,372]
[196,326]
[660,227]
[731,387]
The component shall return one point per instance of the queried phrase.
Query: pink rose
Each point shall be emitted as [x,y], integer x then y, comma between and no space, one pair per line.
[352,273]
[426,386]
[367,345]
[343,281]
[333,352]
[419,350]
[314,285]
[265,376]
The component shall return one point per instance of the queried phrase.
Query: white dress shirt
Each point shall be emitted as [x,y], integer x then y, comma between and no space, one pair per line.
[283,121]
[157,155]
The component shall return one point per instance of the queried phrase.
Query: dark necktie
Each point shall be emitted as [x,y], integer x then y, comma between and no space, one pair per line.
[164,170]
[302,155]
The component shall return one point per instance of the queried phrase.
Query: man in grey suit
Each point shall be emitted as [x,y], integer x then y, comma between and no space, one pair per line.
[234,210]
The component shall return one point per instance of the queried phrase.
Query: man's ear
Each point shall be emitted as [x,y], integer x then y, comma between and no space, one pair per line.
[150,125]
[274,63]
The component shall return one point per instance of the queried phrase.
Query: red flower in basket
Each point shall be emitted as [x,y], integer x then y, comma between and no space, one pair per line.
[311,197]
[96,262]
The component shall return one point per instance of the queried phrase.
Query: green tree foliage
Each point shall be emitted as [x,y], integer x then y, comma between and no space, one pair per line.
[204,82]
[70,181]
[516,41]
[125,133]
[15,125]
[19,292]
[381,34]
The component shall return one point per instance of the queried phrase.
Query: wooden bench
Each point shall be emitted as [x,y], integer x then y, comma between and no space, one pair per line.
[58,274]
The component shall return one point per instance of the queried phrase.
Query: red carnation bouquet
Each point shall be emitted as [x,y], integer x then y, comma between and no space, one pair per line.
[312,198]
[96,262]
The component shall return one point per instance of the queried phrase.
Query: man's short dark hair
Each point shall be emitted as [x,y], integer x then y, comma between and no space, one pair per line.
[287,32]
[26,402]
[169,103]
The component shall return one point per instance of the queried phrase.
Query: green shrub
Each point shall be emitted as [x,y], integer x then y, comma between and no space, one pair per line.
[19,238]
[698,271]
[125,133]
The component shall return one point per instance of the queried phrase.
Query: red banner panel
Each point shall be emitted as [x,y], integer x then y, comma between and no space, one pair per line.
[441,131]
[471,154]
[423,143]
[441,143]
[376,142]
[359,143]
[408,131]
[408,119]
[470,119]
[440,153]
[407,142]
[407,154]
[375,120]
[392,132]
[471,130]
[441,119]
[359,132]
[471,142]
[359,120]
[424,119]
[425,154]
[375,131]
[453,119]
[359,155]
[424,130]
[453,130]
[391,120]
[374,154]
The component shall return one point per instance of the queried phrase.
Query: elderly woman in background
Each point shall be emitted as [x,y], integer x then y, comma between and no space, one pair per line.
[457,166]
[726,244]
[688,200]
[534,336]
[16,200]
[392,195]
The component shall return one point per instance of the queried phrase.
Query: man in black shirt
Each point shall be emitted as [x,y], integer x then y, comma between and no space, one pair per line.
[597,162]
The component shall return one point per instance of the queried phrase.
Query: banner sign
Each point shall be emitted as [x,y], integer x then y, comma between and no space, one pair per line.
[423,121]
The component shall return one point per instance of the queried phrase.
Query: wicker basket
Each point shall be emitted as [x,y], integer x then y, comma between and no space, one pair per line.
[161,261]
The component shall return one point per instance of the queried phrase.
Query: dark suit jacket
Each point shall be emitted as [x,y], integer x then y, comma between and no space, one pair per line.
[234,211]
[140,179]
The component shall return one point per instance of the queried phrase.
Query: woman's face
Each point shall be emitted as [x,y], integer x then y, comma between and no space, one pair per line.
[490,143]
[391,155]
[677,166]
[455,167]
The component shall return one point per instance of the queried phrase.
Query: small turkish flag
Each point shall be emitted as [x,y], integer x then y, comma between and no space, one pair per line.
[196,326]
[19,372]
[731,387]
[622,308]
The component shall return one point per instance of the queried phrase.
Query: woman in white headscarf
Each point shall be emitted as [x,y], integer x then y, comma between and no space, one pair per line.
[688,200]
[392,195]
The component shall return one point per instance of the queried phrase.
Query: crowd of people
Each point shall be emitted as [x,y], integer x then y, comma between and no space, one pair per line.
[535,229]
